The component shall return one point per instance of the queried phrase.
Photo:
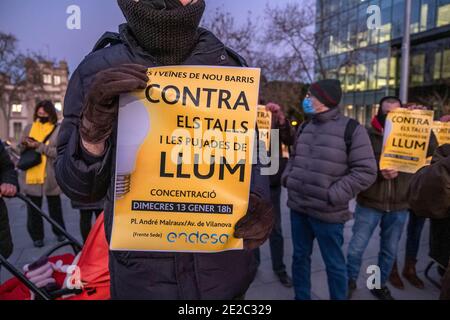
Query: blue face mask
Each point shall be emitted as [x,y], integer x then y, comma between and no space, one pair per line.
[308,107]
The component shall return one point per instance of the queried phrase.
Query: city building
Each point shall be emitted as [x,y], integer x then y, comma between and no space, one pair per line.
[367,60]
[21,100]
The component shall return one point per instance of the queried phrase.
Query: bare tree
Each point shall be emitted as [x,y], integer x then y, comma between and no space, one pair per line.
[241,38]
[19,74]
[281,82]
[300,28]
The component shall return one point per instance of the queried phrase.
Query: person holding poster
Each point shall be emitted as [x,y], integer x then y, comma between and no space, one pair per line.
[385,204]
[442,130]
[286,136]
[157,33]
[331,162]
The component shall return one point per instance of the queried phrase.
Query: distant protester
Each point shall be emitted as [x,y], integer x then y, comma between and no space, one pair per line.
[287,136]
[39,180]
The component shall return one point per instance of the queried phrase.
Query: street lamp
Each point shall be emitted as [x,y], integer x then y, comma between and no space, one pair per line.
[406,46]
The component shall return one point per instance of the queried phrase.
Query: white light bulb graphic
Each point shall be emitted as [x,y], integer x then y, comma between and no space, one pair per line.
[134,125]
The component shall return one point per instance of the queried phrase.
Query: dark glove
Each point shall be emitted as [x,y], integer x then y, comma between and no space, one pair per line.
[255,227]
[101,106]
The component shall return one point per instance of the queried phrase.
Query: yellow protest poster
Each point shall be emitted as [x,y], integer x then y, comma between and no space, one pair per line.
[406,139]
[184,151]
[442,132]
[264,121]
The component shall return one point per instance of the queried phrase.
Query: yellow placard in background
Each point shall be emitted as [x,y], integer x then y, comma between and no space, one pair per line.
[264,121]
[184,155]
[406,139]
[442,132]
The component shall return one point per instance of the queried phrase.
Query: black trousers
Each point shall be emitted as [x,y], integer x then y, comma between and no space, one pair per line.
[276,237]
[86,221]
[35,224]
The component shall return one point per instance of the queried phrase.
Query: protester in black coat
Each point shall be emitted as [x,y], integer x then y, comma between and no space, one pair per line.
[8,188]
[85,163]
[286,136]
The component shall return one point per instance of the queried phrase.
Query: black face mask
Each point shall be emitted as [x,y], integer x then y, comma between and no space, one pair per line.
[165,29]
[44,119]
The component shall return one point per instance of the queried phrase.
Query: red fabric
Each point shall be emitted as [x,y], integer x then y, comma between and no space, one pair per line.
[377,125]
[93,264]
[14,289]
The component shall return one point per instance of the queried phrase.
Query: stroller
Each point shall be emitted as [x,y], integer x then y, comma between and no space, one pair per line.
[83,275]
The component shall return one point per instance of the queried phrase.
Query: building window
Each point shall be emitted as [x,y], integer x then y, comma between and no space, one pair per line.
[437,66]
[362,115]
[415,16]
[424,17]
[16,108]
[47,78]
[351,72]
[56,80]
[398,12]
[382,77]
[417,69]
[385,32]
[58,106]
[372,68]
[393,79]
[446,65]
[17,130]
[342,78]
[443,16]
[386,20]
[361,77]
[350,111]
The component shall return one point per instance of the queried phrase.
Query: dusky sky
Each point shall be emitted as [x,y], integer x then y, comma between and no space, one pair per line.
[40,25]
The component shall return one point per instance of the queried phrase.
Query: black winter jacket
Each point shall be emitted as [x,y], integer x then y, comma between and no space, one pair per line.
[147,275]
[7,175]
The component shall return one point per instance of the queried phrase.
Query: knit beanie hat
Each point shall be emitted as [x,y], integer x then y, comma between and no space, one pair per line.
[327,91]
[164,28]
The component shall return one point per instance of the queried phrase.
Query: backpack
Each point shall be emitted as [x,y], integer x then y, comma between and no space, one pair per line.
[350,129]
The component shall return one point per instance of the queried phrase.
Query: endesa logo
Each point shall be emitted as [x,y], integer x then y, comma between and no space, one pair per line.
[198,238]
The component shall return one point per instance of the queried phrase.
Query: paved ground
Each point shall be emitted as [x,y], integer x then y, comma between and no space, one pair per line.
[265,286]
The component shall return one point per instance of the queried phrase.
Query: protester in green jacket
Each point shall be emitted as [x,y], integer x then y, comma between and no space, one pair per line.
[385,203]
